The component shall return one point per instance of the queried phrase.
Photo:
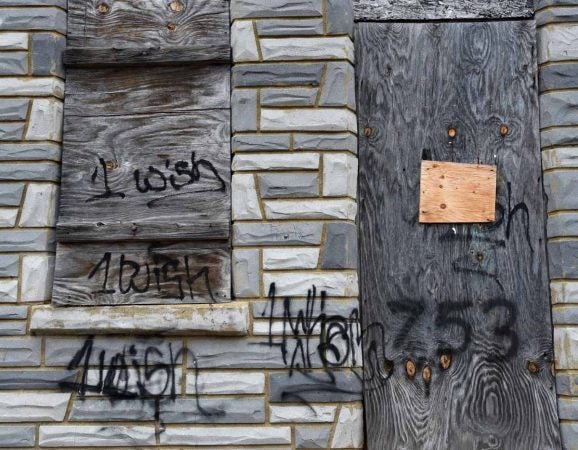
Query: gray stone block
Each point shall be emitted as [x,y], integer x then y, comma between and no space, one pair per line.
[246,274]
[112,409]
[559,158]
[12,328]
[559,136]
[11,131]
[568,408]
[42,18]
[59,352]
[289,27]
[563,259]
[339,14]
[558,76]
[8,265]
[35,379]
[312,436]
[60,3]
[209,410]
[297,307]
[27,240]
[276,8]
[559,109]
[289,233]
[19,352]
[561,187]
[13,312]
[288,96]
[244,110]
[282,185]
[339,86]
[341,141]
[569,434]
[30,151]
[14,436]
[340,247]
[565,315]
[13,63]
[321,387]
[41,171]
[13,109]
[47,51]
[254,142]
[290,74]
[564,224]
[539,4]
[567,384]
[556,15]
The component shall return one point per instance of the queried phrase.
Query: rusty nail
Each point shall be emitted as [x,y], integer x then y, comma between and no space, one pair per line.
[533,367]
[452,132]
[171,26]
[176,6]
[410,368]
[111,164]
[445,361]
[443,206]
[504,130]
[102,8]
[426,374]
[367,131]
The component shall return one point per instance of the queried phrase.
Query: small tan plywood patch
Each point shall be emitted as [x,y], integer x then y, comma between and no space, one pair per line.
[457,193]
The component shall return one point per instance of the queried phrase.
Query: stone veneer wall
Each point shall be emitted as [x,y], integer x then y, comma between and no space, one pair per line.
[558,58]
[255,373]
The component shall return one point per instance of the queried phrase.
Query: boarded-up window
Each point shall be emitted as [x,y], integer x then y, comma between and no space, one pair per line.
[145,199]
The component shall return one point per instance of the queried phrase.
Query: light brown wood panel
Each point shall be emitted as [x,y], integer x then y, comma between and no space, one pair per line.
[457,193]
[142,273]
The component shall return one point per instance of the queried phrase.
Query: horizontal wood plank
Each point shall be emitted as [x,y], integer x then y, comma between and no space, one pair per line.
[118,91]
[147,23]
[146,176]
[142,273]
[168,56]
[376,10]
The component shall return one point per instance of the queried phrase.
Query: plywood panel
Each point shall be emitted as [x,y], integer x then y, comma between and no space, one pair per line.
[458,340]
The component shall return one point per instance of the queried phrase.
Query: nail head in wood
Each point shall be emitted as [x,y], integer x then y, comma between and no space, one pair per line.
[410,368]
[504,130]
[452,132]
[171,26]
[533,367]
[426,374]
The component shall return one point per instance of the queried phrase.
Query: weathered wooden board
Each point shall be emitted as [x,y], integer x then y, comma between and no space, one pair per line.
[156,89]
[146,176]
[457,193]
[441,9]
[147,23]
[458,332]
[141,272]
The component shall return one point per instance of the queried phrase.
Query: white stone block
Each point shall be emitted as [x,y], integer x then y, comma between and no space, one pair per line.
[349,428]
[201,319]
[345,209]
[308,413]
[339,284]
[13,41]
[33,87]
[290,258]
[243,41]
[340,175]
[40,205]
[45,122]
[96,436]
[564,291]
[37,276]
[566,347]
[558,42]
[308,119]
[131,381]
[275,161]
[8,217]
[245,202]
[288,49]
[226,383]
[8,290]
[33,406]
[220,436]
[279,327]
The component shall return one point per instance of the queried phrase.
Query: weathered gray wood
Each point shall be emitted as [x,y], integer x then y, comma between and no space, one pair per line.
[141,273]
[465,306]
[441,9]
[147,23]
[118,91]
[186,157]
[197,55]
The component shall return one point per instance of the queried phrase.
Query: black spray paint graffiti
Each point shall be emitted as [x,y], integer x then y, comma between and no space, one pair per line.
[174,178]
[164,276]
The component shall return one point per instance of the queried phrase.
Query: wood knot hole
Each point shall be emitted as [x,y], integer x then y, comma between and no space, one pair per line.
[172,26]
[533,367]
[504,130]
[443,206]
[111,164]
[176,6]
[368,131]
[426,374]
[480,257]
[103,8]
[410,368]
[452,132]
[445,361]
